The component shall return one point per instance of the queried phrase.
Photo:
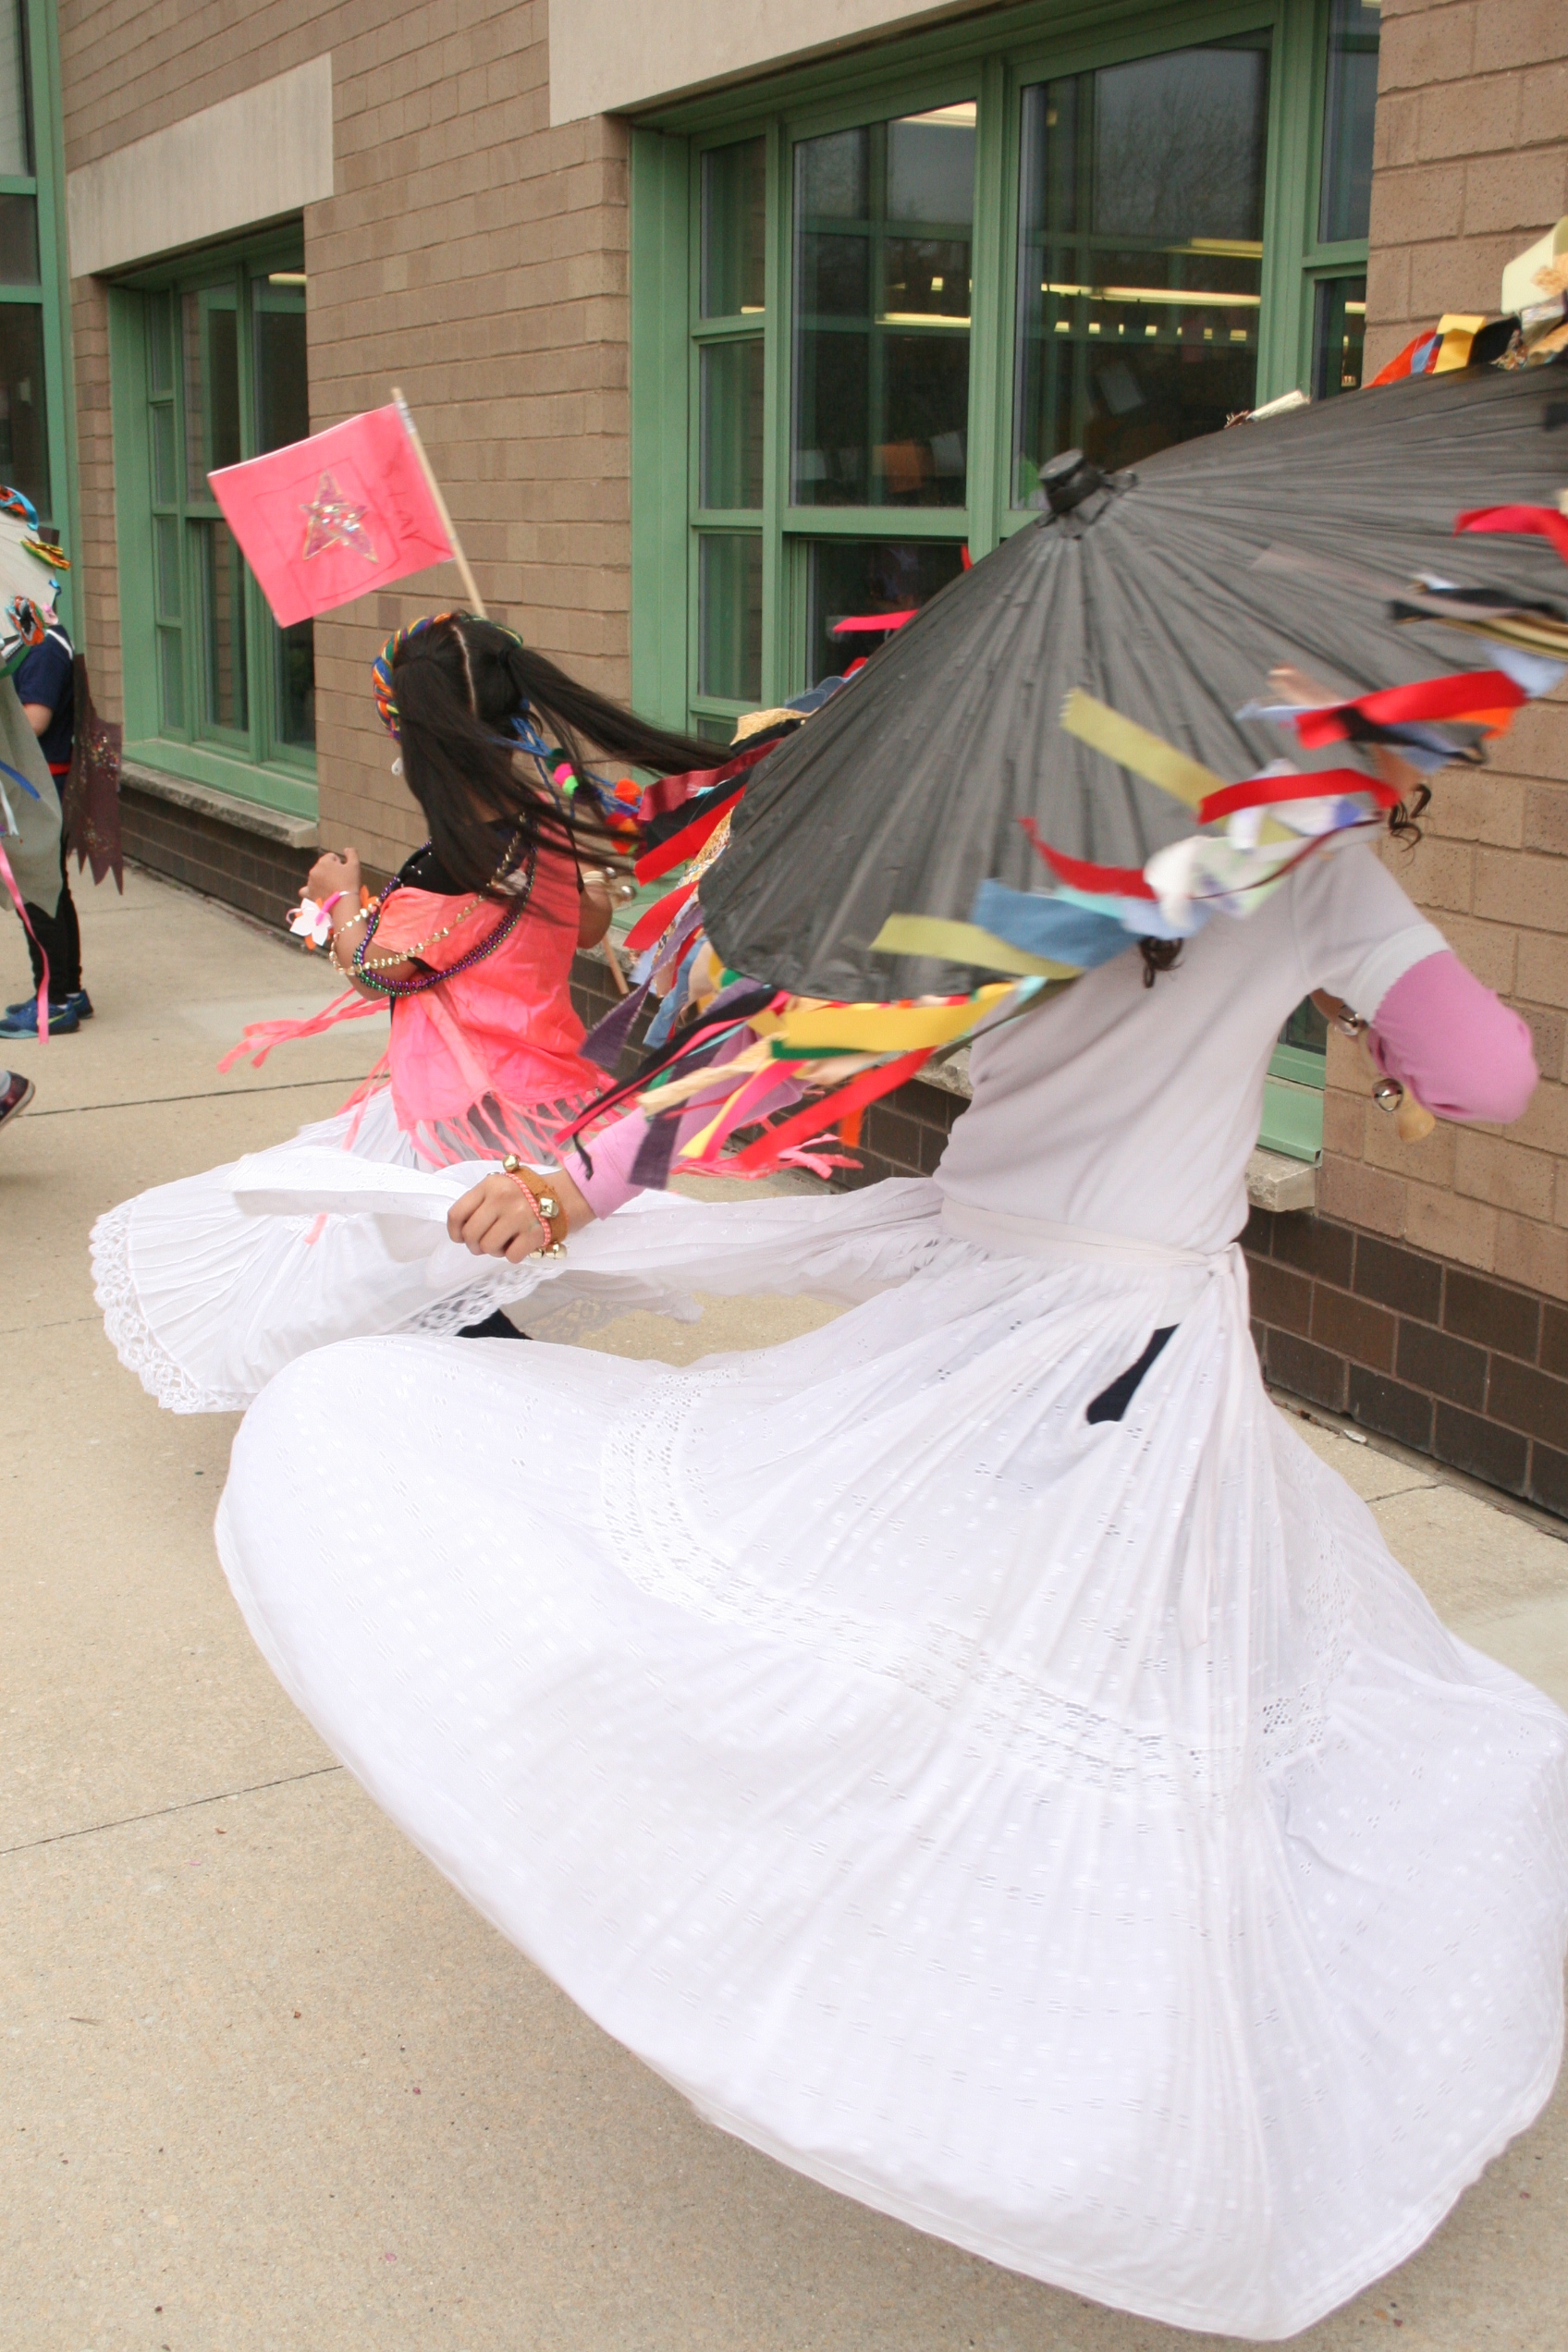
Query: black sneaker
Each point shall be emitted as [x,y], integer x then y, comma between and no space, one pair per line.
[15,1095]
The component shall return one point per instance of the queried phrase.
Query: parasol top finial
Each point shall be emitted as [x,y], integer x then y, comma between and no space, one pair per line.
[1067,480]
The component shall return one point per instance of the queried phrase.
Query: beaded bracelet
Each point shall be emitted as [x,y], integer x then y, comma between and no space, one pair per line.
[545,1208]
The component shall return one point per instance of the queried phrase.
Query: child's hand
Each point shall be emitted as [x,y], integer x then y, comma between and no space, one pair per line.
[494,1220]
[332,872]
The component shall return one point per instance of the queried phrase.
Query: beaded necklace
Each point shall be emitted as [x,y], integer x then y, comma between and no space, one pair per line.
[368,973]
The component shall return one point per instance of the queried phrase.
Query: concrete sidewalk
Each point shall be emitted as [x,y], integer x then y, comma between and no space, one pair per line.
[271,2086]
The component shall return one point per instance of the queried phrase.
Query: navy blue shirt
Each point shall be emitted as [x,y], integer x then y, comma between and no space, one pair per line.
[46,676]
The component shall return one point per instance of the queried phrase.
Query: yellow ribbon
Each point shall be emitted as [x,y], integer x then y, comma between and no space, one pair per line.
[929,935]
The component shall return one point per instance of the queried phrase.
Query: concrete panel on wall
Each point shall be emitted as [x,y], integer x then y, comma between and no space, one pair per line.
[605,58]
[266,152]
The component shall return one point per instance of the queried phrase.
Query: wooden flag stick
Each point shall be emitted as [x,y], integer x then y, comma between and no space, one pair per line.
[476,601]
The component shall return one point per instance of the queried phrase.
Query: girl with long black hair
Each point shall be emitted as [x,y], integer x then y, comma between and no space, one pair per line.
[470,947]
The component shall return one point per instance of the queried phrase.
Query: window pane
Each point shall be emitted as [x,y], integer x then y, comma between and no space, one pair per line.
[847,578]
[294,685]
[729,623]
[171,681]
[1307,1029]
[884,220]
[731,423]
[24,432]
[225,702]
[1140,256]
[1350,102]
[166,557]
[1339,332]
[283,384]
[734,228]
[19,240]
[160,356]
[166,472]
[212,386]
[16,111]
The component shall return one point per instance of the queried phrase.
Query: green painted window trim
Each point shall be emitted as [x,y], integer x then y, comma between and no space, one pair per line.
[248,767]
[51,295]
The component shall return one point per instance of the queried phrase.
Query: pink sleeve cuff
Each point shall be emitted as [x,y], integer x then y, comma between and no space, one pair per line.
[1462,1052]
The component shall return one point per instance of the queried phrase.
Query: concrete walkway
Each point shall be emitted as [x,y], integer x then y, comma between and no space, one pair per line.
[270,2085]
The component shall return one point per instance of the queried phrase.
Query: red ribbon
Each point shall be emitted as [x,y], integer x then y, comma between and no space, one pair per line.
[807,1125]
[660,916]
[1529,522]
[866,624]
[1476,693]
[684,844]
[1264,792]
[668,792]
[1108,881]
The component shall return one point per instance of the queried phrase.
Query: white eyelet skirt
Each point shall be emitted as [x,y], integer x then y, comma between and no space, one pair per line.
[1082,1842]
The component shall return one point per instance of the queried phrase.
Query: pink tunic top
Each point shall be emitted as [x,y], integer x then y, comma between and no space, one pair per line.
[489,1062]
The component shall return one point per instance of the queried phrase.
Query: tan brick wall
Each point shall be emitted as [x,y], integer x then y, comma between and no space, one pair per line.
[472,255]
[1471,166]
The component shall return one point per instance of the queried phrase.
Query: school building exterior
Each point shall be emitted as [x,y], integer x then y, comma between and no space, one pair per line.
[721,322]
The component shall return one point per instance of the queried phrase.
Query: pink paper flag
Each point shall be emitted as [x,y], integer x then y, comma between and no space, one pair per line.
[329,519]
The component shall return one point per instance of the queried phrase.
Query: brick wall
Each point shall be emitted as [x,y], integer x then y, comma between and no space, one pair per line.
[1471,166]
[472,254]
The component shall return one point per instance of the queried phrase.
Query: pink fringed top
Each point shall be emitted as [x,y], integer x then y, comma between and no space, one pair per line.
[489,1062]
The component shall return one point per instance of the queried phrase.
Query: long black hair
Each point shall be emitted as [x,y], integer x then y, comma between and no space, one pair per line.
[458,685]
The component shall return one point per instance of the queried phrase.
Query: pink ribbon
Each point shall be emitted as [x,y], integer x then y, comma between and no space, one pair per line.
[259,1038]
[10,881]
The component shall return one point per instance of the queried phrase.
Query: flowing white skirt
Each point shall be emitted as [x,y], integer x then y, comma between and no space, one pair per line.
[1082,1842]
[211,1285]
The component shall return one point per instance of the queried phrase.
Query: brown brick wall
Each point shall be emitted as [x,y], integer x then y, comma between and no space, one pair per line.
[472,254]
[223,862]
[1455,1363]
[1471,166]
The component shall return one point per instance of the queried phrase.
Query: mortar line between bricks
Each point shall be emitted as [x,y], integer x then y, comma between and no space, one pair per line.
[161,1812]
[217,1094]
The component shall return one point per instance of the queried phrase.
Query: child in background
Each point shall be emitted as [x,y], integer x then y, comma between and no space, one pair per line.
[44,680]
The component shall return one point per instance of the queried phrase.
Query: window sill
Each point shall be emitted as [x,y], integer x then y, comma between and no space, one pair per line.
[1279,1183]
[247,816]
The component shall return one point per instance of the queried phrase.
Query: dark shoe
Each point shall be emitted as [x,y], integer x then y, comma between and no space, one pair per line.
[494,1326]
[15,1095]
[79,1002]
[21,1021]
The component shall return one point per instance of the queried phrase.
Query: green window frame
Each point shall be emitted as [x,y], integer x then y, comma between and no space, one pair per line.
[35,358]
[214,691]
[695,664]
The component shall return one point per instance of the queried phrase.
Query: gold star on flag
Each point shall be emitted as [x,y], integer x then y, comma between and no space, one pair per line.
[333,520]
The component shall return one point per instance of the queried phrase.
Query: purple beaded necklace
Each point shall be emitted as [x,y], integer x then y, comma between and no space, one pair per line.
[486,946]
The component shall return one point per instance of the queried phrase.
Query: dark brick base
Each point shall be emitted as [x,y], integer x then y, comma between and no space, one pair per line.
[226,861]
[1454,1364]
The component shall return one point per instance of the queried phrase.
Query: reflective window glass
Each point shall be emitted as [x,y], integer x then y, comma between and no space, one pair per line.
[221,570]
[19,240]
[1349,103]
[883,245]
[212,386]
[732,412]
[16,107]
[734,219]
[283,384]
[24,428]
[1140,256]
[730,616]
[857,579]
[1339,333]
